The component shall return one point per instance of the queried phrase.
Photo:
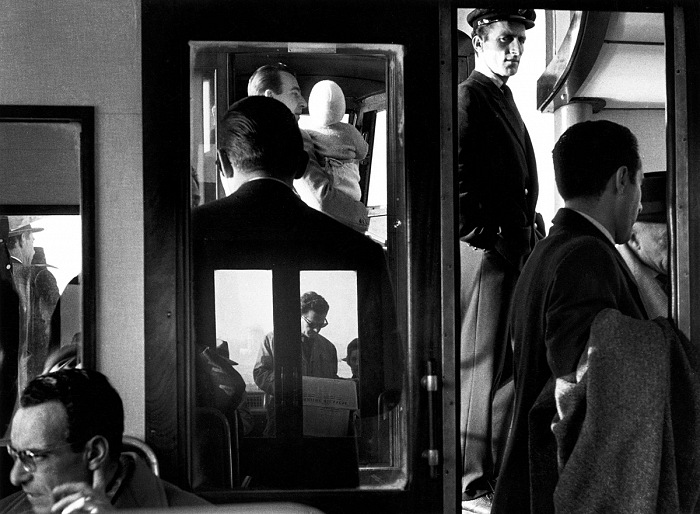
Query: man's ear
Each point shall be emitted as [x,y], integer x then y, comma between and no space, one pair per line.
[477,43]
[634,240]
[225,163]
[97,452]
[622,178]
[269,93]
[302,164]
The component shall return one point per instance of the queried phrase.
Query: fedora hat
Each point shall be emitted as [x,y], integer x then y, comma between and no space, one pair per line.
[653,198]
[20,224]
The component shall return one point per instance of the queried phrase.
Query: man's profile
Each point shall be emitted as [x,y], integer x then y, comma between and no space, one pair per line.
[498,228]
[66,445]
[572,275]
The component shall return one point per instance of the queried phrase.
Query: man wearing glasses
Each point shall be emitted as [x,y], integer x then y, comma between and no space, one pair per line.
[319,357]
[66,446]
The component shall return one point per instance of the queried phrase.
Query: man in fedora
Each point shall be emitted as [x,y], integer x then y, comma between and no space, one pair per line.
[20,245]
[498,190]
[646,252]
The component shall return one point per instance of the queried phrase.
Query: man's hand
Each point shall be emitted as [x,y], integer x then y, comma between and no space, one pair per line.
[79,497]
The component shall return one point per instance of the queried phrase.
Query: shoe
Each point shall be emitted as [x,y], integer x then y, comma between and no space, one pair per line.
[480,505]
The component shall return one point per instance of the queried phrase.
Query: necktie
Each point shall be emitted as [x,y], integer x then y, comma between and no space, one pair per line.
[511,103]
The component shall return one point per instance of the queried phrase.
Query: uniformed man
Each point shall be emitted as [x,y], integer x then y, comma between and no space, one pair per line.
[498,191]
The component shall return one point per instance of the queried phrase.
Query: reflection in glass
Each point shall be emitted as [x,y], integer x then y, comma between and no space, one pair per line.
[45,254]
[40,243]
[256,308]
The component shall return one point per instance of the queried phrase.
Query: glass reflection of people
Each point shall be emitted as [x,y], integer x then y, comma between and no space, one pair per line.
[315,186]
[339,148]
[498,191]
[319,357]
[38,294]
[353,358]
[45,296]
[263,224]
[9,334]
[646,252]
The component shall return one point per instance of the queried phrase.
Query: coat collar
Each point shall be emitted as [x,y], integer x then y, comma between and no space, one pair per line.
[568,220]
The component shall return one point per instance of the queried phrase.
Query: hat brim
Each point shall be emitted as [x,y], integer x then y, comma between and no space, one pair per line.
[19,231]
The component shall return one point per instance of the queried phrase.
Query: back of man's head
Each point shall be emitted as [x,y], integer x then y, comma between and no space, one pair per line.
[260,136]
[589,153]
[92,405]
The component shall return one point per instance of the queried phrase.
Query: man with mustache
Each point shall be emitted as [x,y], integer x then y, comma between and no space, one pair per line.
[498,228]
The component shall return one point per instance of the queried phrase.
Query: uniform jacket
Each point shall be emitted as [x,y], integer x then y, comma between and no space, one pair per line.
[498,185]
[264,225]
[573,274]
[140,489]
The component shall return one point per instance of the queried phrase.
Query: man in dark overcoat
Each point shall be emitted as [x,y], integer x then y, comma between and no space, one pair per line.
[573,274]
[498,191]
[263,224]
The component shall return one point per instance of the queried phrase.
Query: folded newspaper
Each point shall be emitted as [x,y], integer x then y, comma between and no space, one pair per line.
[328,406]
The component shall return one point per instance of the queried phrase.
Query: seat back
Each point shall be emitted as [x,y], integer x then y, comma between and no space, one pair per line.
[140,448]
[216,450]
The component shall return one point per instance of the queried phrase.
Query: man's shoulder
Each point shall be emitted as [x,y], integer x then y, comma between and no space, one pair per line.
[176,497]
[476,82]
[16,503]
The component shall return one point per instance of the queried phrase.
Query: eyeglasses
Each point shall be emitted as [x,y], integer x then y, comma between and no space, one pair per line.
[29,458]
[315,325]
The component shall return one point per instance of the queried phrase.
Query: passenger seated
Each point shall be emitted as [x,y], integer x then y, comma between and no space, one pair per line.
[66,445]
[339,146]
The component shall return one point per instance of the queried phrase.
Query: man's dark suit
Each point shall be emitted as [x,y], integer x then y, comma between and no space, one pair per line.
[572,275]
[498,191]
[264,225]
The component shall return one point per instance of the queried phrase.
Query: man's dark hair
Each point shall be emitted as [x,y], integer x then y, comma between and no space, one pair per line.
[312,301]
[261,133]
[589,153]
[93,406]
[267,77]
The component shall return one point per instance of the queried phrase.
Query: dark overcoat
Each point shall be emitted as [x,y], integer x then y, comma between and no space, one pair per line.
[264,225]
[573,274]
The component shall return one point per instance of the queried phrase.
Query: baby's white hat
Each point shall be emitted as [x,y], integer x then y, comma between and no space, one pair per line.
[326,103]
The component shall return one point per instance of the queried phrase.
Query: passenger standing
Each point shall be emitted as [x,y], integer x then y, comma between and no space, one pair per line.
[33,350]
[315,185]
[573,274]
[319,358]
[498,191]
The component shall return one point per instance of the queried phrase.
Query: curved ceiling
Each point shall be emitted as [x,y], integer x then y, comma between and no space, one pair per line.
[630,69]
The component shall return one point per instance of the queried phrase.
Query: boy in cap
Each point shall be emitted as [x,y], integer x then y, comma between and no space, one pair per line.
[498,190]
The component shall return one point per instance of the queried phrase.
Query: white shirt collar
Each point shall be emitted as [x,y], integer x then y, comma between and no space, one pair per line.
[597,224]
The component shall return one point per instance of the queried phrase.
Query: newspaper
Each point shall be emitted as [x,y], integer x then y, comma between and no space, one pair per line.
[329,405]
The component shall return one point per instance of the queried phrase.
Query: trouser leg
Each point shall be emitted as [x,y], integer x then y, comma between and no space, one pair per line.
[486,284]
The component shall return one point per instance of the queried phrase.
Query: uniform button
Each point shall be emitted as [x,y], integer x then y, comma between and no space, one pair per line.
[526,192]
[8,266]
